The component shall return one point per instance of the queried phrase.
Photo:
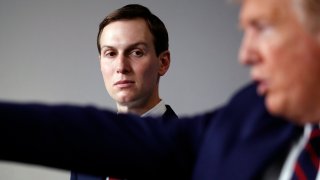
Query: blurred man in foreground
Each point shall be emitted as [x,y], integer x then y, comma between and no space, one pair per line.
[281,44]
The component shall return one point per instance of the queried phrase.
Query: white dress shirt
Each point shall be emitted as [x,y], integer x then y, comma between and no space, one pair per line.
[288,167]
[156,111]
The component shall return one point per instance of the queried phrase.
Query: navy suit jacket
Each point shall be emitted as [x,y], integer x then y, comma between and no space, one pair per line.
[169,114]
[237,141]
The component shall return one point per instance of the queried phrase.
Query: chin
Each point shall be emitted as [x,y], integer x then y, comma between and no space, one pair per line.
[274,106]
[124,101]
[123,97]
[277,108]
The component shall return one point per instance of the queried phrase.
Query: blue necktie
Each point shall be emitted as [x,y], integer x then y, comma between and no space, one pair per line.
[307,165]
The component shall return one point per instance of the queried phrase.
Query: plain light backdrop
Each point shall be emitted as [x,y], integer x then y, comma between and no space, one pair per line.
[48,54]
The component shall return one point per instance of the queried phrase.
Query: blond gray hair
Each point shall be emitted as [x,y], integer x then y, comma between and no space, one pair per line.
[309,13]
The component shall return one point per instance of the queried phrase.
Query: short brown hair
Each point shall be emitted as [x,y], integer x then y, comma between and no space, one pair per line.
[133,11]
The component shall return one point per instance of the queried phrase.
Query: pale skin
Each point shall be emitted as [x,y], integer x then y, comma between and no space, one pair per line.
[130,67]
[284,58]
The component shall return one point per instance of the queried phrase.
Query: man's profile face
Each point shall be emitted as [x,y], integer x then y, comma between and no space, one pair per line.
[128,60]
[284,58]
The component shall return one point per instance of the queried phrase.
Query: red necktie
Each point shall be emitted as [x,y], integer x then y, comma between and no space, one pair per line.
[307,165]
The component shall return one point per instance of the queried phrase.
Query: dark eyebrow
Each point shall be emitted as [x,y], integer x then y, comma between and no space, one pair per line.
[131,46]
[106,46]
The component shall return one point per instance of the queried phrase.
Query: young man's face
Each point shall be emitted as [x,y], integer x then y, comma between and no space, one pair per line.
[129,64]
[284,58]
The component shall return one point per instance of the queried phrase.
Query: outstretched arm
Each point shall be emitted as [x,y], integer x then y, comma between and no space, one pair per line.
[95,141]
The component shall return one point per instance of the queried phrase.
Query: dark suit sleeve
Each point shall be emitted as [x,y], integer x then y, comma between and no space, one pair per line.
[80,176]
[90,140]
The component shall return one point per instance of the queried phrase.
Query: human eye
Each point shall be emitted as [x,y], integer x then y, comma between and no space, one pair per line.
[137,53]
[260,26]
[109,53]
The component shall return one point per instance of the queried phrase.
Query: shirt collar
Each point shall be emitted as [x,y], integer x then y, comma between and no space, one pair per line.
[157,110]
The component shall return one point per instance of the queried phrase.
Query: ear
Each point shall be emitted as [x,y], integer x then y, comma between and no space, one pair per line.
[100,64]
[99,58]
[164,58]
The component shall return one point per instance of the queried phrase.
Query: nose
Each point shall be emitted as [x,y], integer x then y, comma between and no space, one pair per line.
[122,65]
[248,52]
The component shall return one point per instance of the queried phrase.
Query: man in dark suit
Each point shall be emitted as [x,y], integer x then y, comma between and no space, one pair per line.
[281,44]
[133,51]
[240,140]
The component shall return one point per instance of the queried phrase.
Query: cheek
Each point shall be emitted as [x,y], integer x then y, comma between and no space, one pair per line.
[278,59]
[105,67]
[270,59]
[148,71]
[147,77]
[106,73]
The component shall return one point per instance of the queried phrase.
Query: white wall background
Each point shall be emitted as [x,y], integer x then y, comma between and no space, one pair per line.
[48,54]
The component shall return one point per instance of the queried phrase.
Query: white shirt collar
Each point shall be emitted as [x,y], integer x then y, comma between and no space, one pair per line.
[157,110]
[287,169]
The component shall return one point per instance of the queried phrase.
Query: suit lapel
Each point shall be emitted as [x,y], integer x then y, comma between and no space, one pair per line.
[169,114]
